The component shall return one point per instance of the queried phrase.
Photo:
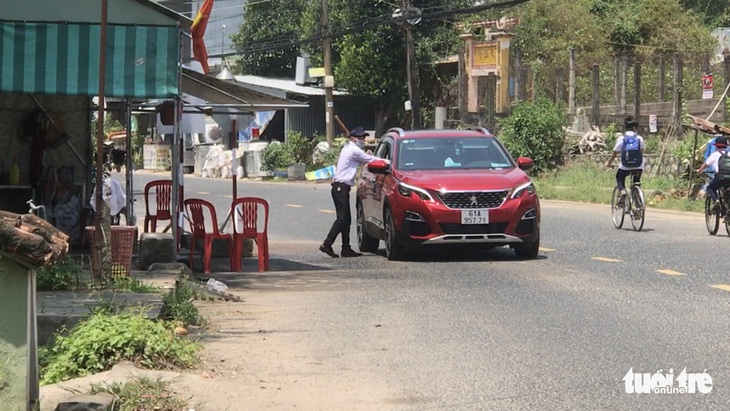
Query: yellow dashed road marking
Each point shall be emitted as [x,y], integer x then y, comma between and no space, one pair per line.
[328,211]
[606,259]
[228,196]
[546,250]
[723,287]
[669,272]
[294,205]
[203,192]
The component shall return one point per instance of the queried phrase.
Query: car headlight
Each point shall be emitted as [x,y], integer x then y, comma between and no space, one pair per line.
[527,187]
[406,190]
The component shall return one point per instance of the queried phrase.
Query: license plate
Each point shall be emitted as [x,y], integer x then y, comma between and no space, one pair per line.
[475,216]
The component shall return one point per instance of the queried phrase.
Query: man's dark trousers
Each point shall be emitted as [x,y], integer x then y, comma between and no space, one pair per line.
[341,226]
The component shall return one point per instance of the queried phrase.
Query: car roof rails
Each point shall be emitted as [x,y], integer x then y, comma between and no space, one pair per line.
[398,130]
[480,129]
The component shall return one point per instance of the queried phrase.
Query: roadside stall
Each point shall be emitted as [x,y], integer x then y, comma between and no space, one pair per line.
[50,73]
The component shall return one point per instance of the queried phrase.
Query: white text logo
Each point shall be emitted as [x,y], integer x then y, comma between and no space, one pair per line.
[666,383]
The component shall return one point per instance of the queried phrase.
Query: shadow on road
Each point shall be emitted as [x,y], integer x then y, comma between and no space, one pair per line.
[462,254]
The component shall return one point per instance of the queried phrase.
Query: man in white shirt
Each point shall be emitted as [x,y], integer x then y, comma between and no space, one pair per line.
[630,147]
[721,178]
[351,157]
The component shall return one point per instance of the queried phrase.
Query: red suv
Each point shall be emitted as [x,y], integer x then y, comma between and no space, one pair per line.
[436,187]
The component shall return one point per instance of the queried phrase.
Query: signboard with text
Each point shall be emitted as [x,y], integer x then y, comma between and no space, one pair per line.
[485,54]
[707,86]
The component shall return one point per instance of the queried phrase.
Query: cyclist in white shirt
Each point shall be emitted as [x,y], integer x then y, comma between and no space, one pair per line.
[721,178]
[630,146]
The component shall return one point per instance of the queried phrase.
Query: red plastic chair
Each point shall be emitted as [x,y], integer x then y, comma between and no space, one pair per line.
[245,213]
[162,200]
[196,210]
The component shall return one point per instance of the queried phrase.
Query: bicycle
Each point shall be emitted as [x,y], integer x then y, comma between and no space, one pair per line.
[634,205]
[712,216]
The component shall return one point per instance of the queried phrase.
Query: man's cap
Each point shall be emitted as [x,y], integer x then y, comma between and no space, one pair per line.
[358,132]
[721,142]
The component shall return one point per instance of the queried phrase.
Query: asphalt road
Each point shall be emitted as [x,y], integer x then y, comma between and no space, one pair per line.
[472,329]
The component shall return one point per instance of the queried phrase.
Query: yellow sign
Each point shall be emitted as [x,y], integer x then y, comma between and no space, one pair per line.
[316,72]
[485,54]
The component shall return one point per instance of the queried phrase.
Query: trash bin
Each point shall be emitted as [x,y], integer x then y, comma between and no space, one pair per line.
[296,172]
[121,246]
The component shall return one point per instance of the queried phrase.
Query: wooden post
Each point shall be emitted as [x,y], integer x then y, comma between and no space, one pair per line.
[412,70]
[571,85]
[522,91]
[533,98]
[637,92]
[559,86]
[596,94]
[463,87]
[677,99]
[624,71]
[518,75]
[491,103]
[662,79]
[616,80]
[329,108]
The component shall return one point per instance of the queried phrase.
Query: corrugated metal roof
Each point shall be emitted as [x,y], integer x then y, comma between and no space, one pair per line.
[288,85]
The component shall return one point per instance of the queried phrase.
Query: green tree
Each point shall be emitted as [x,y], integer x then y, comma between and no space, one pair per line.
[264,24]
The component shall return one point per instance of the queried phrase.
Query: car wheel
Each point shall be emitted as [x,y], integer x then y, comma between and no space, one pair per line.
[393,249]
[528,251]
[365,242]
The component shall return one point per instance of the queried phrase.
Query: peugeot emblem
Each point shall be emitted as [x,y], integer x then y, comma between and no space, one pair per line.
[473,201]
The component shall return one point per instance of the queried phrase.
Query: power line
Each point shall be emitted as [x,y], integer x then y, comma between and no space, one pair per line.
[277,44]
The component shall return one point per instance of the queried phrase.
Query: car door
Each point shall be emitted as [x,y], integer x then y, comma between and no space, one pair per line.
[374,212]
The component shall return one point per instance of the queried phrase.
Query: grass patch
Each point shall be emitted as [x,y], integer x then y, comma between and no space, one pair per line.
[106,338]
[142,393]
[588,182]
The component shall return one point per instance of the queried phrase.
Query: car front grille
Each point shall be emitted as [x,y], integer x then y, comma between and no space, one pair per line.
[476,199]
[494,228]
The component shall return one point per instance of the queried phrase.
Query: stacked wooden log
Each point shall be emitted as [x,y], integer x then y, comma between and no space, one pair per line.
[31,238]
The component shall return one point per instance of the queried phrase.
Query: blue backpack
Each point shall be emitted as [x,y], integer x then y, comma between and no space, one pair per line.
[631,152]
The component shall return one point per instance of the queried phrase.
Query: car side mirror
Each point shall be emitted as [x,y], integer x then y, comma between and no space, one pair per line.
[525,163]
[379,167]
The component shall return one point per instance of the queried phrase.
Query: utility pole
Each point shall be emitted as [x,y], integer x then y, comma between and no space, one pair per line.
[411,70]
[328,79]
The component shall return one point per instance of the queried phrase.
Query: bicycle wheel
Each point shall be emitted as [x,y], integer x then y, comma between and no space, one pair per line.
[637,208]
[712,218]
[617,212]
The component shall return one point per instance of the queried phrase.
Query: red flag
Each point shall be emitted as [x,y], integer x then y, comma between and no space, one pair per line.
[198,30]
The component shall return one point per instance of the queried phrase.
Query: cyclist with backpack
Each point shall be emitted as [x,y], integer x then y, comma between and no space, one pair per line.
[720,162]
[630,146]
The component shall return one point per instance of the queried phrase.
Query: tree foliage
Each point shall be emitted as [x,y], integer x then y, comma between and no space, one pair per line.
[263,23]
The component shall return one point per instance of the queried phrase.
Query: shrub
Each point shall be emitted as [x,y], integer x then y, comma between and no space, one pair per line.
[275,156]
[331,156]
[104,339]
[300,148]
[535,130]
[142,393]
[178,305]
[62,275]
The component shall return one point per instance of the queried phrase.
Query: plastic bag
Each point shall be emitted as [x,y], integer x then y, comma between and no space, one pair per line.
[216,285]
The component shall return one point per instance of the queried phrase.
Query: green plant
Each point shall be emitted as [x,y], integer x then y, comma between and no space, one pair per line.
[611,131]
[300,147]
[331,156]
[103,339]
[535,130]
[141,393]
[275,156]
[62,275]
[178,305]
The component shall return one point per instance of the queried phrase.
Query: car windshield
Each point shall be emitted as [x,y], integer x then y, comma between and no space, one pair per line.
[447,153]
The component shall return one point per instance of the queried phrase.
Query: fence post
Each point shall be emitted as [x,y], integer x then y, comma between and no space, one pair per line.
[571,85]
[559,85]
[522,91]
[518,75]
[491,100]
[596,94]
[616,79]
[662,79]
[463,91]
[637,91]
[727,82]
[624,72]
[677,106]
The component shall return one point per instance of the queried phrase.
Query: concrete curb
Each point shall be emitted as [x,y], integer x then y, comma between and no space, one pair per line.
[652,209]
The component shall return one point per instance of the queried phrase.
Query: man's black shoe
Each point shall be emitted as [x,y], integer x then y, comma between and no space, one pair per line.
[349,252]
[327,249]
